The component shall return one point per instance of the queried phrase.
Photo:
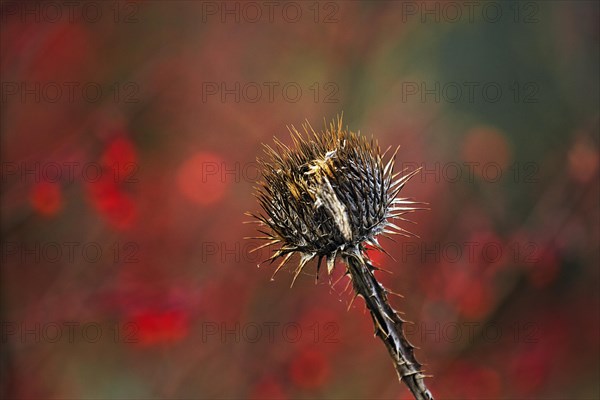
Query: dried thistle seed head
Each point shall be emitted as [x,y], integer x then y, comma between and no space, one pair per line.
[330,195]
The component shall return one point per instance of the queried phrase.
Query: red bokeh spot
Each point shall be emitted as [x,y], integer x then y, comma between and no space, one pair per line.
[309,369]
[103,191]
[201,178]
[115,205]
[107,194]
[120,157]
[46,198]
[154,327]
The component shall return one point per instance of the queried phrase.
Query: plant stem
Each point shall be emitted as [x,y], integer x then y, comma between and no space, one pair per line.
[388,324]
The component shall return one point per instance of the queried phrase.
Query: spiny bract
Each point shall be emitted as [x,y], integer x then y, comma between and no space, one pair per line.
[330,195]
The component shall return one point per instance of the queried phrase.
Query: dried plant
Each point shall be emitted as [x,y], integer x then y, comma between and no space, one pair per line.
[331,196]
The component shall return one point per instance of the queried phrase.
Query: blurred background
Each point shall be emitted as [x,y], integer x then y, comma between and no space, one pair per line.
[130,132]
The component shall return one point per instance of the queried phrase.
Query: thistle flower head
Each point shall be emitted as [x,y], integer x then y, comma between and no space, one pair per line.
[329,195]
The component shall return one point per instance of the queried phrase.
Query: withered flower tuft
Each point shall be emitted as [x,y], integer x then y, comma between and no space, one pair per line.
[330,196]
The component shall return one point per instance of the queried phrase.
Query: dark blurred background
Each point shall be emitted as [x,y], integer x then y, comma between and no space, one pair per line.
[130,132]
